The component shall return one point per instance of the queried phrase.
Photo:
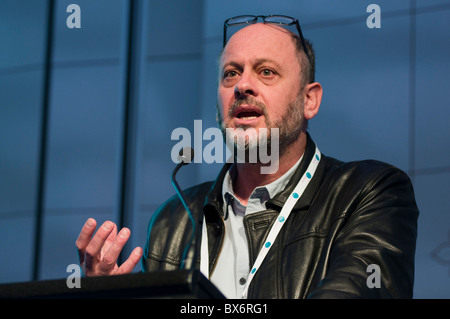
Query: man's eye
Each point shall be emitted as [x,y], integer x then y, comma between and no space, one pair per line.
[267,72]
[230,74]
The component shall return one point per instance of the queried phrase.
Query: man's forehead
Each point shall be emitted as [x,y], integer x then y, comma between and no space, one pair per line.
[260,39]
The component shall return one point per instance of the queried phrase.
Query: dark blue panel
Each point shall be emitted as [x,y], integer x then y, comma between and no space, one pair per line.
[102,34]
[22,32]
[365,77]
[432,275]
[85,137]
[17,236]
[173,27]
[432,89]
[23,37]
[20,133]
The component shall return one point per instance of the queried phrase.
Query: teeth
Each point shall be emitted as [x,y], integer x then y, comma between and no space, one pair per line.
[248,117]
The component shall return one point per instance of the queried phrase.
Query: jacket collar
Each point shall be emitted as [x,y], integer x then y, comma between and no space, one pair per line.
[214,197]
[305,200]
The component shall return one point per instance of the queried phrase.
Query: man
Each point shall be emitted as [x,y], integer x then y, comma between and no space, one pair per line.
[312,228]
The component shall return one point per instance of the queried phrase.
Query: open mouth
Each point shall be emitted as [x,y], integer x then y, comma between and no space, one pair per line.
[247,112]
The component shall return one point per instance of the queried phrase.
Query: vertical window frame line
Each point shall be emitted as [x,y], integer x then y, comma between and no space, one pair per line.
[129,125]
[43,147]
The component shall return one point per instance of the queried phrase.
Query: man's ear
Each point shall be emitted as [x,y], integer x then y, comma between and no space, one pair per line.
[313,97]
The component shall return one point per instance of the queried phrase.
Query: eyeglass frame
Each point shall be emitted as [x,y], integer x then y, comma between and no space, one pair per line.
[255,20]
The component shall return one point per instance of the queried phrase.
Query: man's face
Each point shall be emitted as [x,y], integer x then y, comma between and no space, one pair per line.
[259,82]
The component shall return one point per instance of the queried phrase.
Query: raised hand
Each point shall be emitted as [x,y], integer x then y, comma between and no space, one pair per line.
[98,254]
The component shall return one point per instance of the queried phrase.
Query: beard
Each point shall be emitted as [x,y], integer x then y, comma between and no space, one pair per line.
[246,138]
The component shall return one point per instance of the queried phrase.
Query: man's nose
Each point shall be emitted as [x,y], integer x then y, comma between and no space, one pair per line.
[245,86]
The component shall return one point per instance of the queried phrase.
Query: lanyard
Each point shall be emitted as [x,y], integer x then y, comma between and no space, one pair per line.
[276,227]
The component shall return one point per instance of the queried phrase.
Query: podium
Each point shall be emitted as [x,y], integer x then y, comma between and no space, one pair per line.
[177,284]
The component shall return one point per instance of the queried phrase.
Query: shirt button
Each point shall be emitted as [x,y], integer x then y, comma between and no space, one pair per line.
[242,281]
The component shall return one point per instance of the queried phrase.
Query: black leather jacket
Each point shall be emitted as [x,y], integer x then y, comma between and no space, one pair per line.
[350,216]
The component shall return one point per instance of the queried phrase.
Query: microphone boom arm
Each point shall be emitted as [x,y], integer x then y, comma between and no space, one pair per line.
[190,253]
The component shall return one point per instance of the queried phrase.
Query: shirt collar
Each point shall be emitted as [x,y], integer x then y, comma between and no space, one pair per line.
[263,193]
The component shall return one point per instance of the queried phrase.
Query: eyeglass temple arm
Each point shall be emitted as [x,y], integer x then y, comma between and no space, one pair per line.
[302,39]
[224,35]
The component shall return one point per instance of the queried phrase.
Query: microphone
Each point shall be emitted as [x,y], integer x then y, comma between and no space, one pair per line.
[190,254]
[186,155]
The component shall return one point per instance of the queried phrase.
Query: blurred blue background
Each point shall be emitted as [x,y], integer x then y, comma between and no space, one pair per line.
[86,114]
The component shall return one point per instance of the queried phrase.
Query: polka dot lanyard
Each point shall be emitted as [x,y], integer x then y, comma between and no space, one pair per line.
[276,228]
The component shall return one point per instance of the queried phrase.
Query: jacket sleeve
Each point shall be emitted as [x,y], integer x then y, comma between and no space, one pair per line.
[373,253]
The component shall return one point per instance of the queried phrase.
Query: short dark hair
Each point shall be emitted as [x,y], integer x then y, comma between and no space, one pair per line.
[308,66]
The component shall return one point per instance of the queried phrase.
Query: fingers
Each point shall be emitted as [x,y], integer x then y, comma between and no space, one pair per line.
[132,261]
[109,240]
[109,259]
[99,253]
[93,252]
[85,237]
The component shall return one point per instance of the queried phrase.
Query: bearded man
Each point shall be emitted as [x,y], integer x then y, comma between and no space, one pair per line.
[312,228]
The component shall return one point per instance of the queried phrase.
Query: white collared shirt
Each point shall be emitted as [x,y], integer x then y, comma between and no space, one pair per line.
[233,265]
